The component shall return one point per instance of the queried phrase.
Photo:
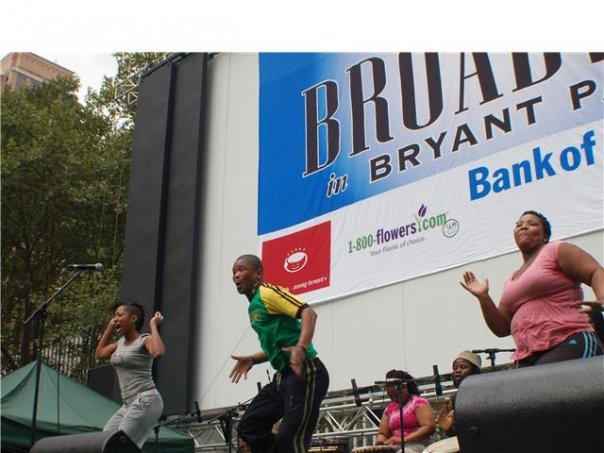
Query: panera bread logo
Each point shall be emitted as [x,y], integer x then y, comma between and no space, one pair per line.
[299,261]
[295,261]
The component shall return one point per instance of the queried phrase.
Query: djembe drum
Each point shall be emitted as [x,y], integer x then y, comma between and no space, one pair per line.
[449,445]
[324,445]
[375,448]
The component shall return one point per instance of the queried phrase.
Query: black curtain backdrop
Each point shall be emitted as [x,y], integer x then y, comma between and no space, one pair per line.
[162,225]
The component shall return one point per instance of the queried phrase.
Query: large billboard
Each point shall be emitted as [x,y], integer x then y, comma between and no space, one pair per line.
[378,168]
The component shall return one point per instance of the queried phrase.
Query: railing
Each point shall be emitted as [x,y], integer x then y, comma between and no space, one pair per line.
[71,356]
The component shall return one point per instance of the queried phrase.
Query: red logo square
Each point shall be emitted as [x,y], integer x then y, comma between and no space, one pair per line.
[301,261]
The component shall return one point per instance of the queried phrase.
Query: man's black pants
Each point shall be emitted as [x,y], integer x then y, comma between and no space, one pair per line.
[294,399]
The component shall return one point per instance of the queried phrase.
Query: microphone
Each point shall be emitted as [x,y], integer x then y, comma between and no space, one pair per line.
[197,412]
[491,350]
[87,267]
[390,381]
[492,353]
[437,385]
[355,392]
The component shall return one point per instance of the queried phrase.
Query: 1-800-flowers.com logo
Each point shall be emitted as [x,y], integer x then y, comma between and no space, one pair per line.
[423,223]
[450,227]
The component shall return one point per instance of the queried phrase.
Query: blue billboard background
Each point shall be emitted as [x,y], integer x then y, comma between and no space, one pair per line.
[287,197]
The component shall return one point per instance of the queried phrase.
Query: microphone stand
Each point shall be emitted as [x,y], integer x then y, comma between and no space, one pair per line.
[226,424]
[491,353]
[157,427]
[399,390]
[40,316]
[438,388]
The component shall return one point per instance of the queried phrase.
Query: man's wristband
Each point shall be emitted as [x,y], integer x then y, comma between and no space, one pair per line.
[303,347]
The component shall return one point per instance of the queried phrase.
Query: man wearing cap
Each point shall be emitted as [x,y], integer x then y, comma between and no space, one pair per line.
[465,364]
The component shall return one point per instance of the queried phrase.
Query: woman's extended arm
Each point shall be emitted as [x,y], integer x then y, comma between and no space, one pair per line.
[154,344]
[105,347]
[497,320]
[580,266]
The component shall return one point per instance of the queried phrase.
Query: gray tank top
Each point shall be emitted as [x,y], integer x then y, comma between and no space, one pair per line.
[133,364]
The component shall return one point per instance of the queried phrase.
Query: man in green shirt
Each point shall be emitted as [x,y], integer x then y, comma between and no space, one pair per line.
[285,326]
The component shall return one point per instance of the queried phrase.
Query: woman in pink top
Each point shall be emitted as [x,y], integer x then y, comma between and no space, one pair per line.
[418,418]
[540,303]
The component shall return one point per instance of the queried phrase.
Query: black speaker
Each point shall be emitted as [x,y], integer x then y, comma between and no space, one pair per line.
[553,408]
[103,380]
[97,442]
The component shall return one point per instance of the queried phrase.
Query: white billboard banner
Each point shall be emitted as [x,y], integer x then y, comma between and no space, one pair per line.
[378,168]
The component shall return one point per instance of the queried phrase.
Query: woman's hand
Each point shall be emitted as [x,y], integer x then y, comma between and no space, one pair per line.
[154,344]
[394,440]
[105,347]
[474,286]
[443,419]
[592,307]
[157,319]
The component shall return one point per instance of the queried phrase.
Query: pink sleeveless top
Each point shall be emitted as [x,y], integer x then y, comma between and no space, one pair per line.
[543,303]
[409,418]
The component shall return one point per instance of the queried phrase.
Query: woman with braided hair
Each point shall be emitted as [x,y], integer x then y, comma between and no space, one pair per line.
[418,418]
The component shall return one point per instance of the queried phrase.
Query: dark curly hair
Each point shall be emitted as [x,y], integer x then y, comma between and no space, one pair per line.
[133,308]
[407,378]
[547,228]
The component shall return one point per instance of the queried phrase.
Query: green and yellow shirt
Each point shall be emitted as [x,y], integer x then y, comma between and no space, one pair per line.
[274,315]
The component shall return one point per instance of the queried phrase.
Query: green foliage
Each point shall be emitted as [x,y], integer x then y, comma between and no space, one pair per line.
[64,198]
[111,98]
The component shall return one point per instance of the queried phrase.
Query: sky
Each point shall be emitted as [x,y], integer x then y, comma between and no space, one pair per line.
[90,68]
[82,38]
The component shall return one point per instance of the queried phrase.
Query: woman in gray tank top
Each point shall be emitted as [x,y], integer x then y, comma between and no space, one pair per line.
[132,357]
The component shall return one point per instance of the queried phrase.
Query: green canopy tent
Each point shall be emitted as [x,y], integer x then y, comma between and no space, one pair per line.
[64,407]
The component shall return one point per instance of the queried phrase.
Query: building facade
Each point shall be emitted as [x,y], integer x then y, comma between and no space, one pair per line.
[24,69]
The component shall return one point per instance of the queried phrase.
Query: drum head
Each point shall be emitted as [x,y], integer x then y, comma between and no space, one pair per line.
[450,445]
[375,448]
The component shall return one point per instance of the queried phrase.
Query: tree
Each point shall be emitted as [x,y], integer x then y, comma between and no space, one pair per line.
[63,189]
[112,97]
[64,175]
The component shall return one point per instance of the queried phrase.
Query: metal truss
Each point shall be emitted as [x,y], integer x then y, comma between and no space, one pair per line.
[128,89]
[355,425]
[341,421]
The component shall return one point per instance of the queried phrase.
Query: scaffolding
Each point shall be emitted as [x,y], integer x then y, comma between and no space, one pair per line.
[127,90]
[345,420]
